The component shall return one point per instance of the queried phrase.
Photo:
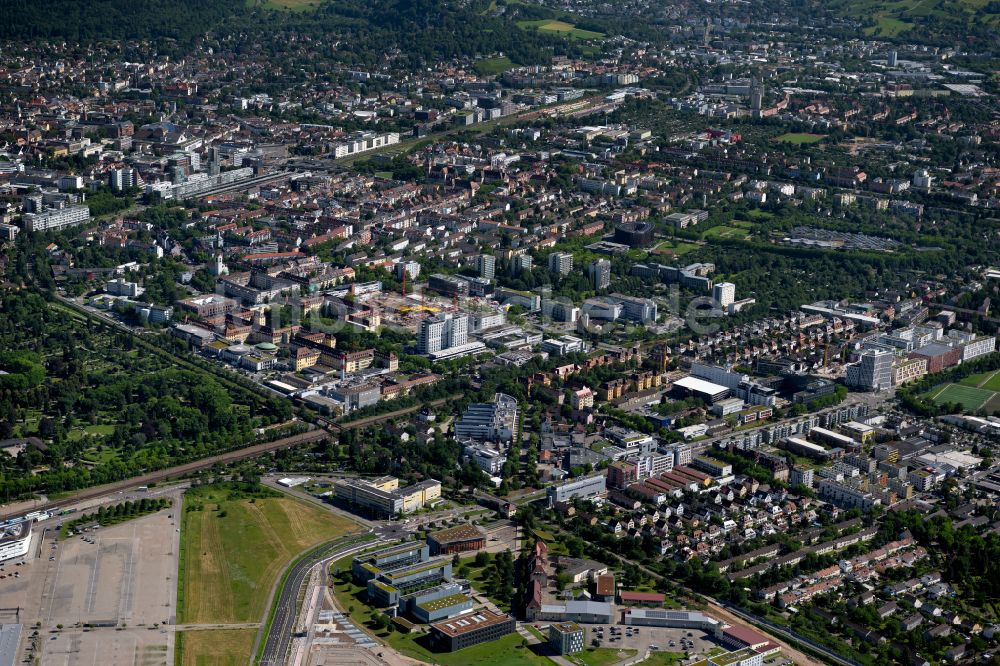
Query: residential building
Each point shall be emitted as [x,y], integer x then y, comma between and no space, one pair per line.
[443,331]
[908,370]
[724,293]
[600,274]
[486,266]
[53,219]
[560,263]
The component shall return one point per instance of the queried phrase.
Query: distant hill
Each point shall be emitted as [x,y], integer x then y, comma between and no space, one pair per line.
[940,19]
[424,30]
[88,20]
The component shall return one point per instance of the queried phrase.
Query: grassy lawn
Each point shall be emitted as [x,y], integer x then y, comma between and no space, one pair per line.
[215,647]
[970,397]
[799,139]
[490,66]
[987,380]
[508,651]
[233,550]
[601,656]
[886,26]
[674,248]
[560,27]
[725,232]
[664,658]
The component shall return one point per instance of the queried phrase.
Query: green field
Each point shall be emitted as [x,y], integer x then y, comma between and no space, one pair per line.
[490,66]
[725,232]
[800,139]
[895,17]
[886,26]
[664,658]
[214,647]
[233,549]
[560,27]
[674,248]
[601,656]
[987,380]
[970,397]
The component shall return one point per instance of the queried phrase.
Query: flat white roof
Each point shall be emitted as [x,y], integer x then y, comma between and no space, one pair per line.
[700,385]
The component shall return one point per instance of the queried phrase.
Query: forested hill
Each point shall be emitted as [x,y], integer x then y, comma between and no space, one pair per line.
[425,30]
[88,20]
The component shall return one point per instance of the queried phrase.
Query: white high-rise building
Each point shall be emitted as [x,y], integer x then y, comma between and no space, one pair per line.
[442,331]
[724,294]
[600,274]
[922,179]
[560,262]
[873,372]
[486,266]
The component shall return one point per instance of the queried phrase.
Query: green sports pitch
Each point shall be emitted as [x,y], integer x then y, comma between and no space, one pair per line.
[969,397]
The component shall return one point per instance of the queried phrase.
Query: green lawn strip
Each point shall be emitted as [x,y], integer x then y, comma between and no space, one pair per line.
[602,656]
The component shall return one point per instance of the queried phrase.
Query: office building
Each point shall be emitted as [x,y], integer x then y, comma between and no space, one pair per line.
[560,263]
[437,603]
[600,274]
[566,637]
[640,310]
[384,497]
[448,285]
[367,566]
[443,331]
[483,626]
[724,293]
[873,372]
[486,266]
[587,487]
[387,587]
[491,421]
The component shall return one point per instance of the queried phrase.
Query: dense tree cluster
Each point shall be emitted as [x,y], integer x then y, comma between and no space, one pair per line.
[104,409]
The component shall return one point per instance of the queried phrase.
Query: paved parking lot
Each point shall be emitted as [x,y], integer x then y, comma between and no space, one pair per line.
[121,574]
[123,577]
[643,638]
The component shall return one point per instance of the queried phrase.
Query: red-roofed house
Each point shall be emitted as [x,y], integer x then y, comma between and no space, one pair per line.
[738,637]
[654,599]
